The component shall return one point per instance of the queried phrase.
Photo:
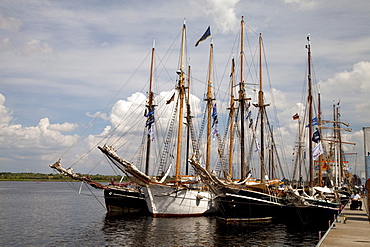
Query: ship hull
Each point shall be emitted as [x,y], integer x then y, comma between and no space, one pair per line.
[170,201]
[247,205]
[316,214]
[125,200]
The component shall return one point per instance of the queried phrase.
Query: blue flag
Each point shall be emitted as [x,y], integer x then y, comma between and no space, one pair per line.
[316,136]
[214,115]
[314,122]
[215,122]
[150,118]
[205,36]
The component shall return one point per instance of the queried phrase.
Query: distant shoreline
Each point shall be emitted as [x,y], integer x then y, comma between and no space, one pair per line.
[24,176]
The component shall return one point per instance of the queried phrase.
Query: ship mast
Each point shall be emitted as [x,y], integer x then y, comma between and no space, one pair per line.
[319,122]
[181,89]
[262,114]
[232,113]
[243,168]
[188,117]
[150,107]
[209,109]
[309,100]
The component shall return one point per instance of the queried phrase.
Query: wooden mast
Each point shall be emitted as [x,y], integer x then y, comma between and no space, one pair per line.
[319,122]
[341,166]
[181,89]
[150,107]
[232,113]
[262,111]
[309,100]
[243,168]
[209,109]
[188,116]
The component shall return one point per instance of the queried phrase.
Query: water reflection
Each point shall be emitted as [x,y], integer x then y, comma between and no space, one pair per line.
[200,231]
[149,231]
[51,214]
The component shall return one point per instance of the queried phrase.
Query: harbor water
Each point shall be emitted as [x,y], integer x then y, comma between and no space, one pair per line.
[56,214]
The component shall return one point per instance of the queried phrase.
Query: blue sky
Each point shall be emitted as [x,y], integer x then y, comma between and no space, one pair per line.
[61,62]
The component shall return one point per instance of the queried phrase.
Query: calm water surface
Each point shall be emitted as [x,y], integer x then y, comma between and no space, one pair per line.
[54,214]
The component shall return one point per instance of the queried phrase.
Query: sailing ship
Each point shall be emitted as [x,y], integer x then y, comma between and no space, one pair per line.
[246,199]
[119,197]
[127,198]
[313,202]
[183,196]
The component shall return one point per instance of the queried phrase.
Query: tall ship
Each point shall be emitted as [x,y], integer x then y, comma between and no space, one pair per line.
[319,197]
[183,195]
[246,198]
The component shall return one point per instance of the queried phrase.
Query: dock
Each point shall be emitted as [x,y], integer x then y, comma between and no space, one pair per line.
[352,228]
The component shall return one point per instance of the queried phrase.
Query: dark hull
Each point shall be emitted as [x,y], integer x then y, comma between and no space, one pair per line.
[319,215]
[125,200]
[247,205]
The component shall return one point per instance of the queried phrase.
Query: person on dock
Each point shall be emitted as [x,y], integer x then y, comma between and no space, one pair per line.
[356,199]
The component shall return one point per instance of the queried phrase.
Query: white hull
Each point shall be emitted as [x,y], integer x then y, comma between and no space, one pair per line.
[166,201]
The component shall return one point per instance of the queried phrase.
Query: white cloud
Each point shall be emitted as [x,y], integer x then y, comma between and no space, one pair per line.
[99,47]
[20,143]
[63,127]
[98,115]
[353,89]
[222,13]
[5,114]
[37,46]
[10,23]
[133,107]
[5,44]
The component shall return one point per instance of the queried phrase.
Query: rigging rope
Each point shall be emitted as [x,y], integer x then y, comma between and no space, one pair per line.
[104,109]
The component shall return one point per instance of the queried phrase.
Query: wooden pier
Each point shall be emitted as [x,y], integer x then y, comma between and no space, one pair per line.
[352,228]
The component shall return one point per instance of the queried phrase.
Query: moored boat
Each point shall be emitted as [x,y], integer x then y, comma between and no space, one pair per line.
[314,202]
[245,199]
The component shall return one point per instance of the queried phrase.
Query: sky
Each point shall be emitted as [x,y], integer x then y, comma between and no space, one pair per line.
[62,63]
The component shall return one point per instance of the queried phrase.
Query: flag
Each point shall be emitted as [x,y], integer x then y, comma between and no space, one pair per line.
[313,123]
[171,99]
[295,116]
[258,146]
[150,118]
[316,136]
[249,114]
[149,121]
[151,132]
[215,122]
[150,113]
[317,151]
[281,182]
[205,36]
[250,122]
[214,115]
